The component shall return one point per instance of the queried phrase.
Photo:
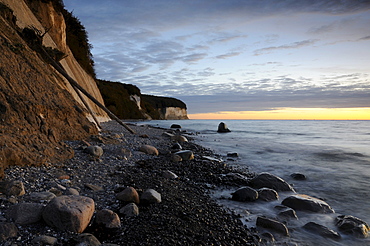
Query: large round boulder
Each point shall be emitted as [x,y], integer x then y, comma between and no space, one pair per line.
[352,225]
[268,180]
[245,194]
[307,203]
[222,128]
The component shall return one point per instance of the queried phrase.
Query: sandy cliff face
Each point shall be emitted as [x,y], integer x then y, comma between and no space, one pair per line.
[38,108]
[173,113]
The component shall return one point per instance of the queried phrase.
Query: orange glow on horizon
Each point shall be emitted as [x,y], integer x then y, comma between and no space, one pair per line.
[290,114]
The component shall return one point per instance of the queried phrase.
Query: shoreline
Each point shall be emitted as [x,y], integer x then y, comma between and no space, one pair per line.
[187,214]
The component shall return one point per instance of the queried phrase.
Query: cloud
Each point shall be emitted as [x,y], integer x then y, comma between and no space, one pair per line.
[228,55]
[364,38]
[294,45]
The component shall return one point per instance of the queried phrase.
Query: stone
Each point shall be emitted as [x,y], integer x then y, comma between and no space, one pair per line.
[222,128]
[169,175]
[307,203]
[352,225]
[148,149]
[44,196]
[72,191]
[185,155]
[12,188]
[245,194]
[129,194]
[267,180]
[298,176]
[44,240]
[179,138]
[130,210]
[95,151]
[86,239]
[126,153]
[267,194]
[25,213]
[176,146]
[210,158]
[288,213]
[176,126]
[150,196]
[268,237]
[7,230]
[273,225]
[176,158]
[69,213]
[322,231]
[108,219]
[232,154]
[94,187]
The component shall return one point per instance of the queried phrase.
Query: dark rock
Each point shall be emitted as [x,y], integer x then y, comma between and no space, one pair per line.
[267,194]
[222,128]
[352,225]
[95,151]
[150,196]
[298,176]
[129,194]
[42,196]
[86,239]
[185,155]
[267,180]
[25,213]
[307,203]
[322,230]
[129,210]
[12,188]
[70,213]
[273,225]
[179,138]
[7,230]
[108,219]
[175,126]
[148,149]
[233,154]
[44,240]
[288,213]
[169,175]
[94,187]
[245,194]
[176,146]
[268,237]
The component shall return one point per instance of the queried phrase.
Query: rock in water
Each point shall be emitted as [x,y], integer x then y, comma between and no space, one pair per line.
[267,194]
[273,225]
[245,194]
[352,225]
[70,213]
[222,127]
[176,126]
[307,203]
[267,180]
[322,230]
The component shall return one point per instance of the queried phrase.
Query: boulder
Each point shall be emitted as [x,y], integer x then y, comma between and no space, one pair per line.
[307,203]
[185,155]
[267,194]
[130,210]
[298,176]
[86,239]
[322,230]
[179,138]
[12,188]
[95,151]
[25,213]
[150,196]
[288,214]
[7,230]
[245,194]
[273,225]
[108,219]
[42,196]
[352,225]
[222,128]
[129,194]
[176,126]
[267,180]
[70,213]
[44,240]
[148,149]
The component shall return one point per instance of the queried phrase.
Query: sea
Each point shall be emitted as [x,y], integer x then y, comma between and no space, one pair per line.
[333,155]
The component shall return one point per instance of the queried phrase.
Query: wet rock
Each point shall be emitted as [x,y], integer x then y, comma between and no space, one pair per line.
[86,239]
[150,196]
[179,138]
[94,187]
[352,225]
[42,196]
[70,213]
[130,210]
[176,146]
[222,128]
[148,149]
[169,175]
[95,151]
[245,194]
[267,194]
[273,225]
[108,219]
[232,154]
[298,176]
[12,188]
[129,194]
[307,203]
[322,231]
[25,213]
[185,155]
[7,230]
[209,158]
[44,240]
[176,126]
[268,237]
[288,214]
[267,180]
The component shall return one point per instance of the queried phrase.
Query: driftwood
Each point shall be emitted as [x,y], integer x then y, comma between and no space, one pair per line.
[75,85]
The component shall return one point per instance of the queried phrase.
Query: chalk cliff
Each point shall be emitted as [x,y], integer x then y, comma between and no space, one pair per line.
[38,108]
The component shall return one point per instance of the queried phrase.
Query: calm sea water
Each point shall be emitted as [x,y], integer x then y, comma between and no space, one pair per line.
[334,155]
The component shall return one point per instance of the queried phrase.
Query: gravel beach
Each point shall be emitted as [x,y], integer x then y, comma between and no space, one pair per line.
[186,215]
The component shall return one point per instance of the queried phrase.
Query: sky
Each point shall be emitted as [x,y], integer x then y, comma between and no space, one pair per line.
[237,59]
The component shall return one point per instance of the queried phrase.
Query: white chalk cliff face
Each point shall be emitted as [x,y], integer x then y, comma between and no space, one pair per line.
[173,113]
[56,38]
